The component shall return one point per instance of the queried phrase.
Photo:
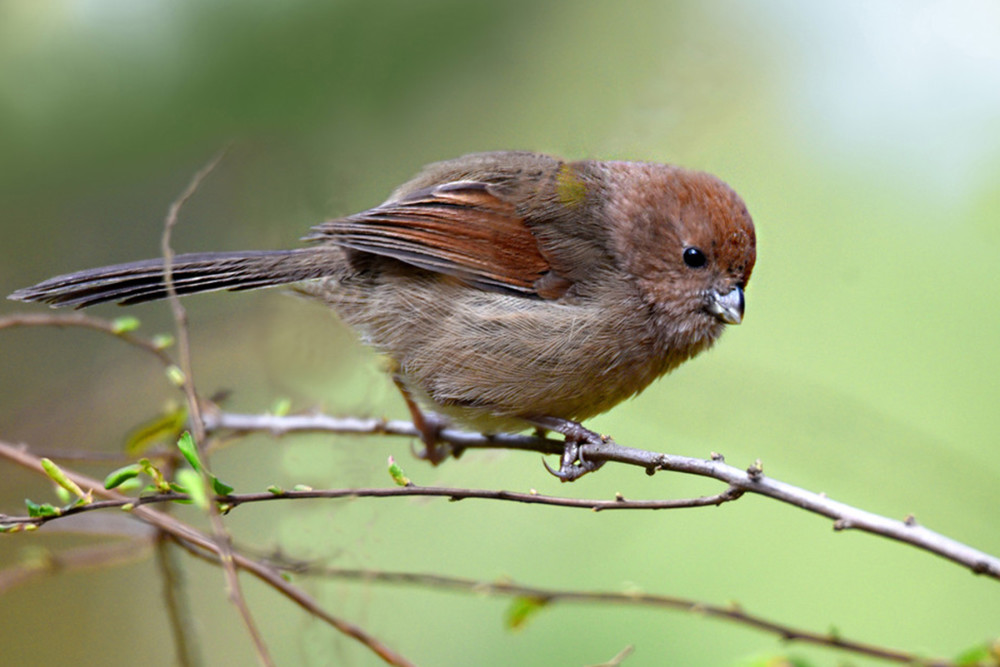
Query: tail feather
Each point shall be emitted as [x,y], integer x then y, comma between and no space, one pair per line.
[136,282]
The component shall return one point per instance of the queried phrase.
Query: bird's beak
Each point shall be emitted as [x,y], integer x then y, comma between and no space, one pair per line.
[727,307]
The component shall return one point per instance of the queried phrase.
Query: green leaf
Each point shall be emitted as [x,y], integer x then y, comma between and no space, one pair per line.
[974,655]
[397,474]
[159,481]
[80,502]
[162,341]
[163,428]
[190,451]
[57,475]
[176,376]
[130,485]
[116,478]
[190,482]
[281,407]
[276,490]
[521,609]
[36,510]
[125,324]
[65,497]
[220,487]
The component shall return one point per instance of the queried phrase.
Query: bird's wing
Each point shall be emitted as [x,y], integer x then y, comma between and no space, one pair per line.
[461,228]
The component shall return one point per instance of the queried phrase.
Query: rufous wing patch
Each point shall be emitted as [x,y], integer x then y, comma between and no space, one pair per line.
[460,228]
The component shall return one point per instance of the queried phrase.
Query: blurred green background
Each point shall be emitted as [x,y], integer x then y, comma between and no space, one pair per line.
[865,139]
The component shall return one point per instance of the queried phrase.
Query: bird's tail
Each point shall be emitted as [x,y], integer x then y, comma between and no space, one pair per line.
[136,282]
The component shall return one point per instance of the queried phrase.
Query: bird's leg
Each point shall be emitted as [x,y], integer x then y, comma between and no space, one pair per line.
[572,466]
[429,426]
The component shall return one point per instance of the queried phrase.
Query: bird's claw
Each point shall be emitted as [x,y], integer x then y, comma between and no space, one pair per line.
[572,464]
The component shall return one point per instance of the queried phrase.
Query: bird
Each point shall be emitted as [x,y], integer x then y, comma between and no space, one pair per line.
[509,290]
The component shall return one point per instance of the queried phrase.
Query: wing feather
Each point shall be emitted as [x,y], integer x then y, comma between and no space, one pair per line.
[461,228]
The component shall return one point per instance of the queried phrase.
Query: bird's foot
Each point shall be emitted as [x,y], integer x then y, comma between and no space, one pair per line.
[572,464]
[429,426]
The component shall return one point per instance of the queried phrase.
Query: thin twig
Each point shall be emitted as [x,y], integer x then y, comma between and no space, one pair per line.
[451,493]
[730,612]
[320,423]
[618,658]
[179,313]
[86,322]
[92,557]
[222,537]
[751,480]
[192,539]
[187,648]
[186,645]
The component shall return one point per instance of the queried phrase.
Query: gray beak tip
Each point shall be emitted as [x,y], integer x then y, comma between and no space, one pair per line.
[728,307]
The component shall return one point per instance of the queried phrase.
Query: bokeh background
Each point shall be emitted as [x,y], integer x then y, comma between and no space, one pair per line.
[865,138]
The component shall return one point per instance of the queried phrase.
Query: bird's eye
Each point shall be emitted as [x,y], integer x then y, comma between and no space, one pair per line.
[694,258]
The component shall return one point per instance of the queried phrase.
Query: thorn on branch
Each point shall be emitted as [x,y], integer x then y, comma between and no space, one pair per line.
[981,567]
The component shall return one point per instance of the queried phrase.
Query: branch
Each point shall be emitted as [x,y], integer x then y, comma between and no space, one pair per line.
[451,493]
[732,612]
[187,650]
[86,322]
[751,480]
[539,596]
[93,557]
[179,313]
[192,539]
[221,535]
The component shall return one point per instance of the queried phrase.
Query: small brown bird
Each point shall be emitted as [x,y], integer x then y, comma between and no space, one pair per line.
[510,289]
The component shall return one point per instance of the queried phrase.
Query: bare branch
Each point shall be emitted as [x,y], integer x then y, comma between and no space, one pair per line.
[320,423]
[751,480]
[451,493]
[222,536]
[730,612]
[86,322]
[187,649]
[99,556]
[179,313]
[618,658]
